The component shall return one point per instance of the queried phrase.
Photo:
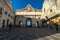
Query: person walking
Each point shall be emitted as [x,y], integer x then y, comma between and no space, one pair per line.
[10,26]
[40,24]
[20,24]
[37,24]
[56,26]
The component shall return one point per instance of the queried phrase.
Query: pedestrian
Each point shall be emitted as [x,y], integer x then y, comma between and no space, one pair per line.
[10,26]
[20,24]
[3,25]
[56,26]
[37,24]
[41,24]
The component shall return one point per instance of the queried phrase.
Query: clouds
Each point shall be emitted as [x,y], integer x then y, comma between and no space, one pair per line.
[20,4]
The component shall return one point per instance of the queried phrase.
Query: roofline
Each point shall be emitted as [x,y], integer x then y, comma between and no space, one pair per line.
[30,6]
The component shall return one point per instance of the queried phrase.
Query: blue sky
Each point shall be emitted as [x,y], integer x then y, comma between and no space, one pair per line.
[20,4]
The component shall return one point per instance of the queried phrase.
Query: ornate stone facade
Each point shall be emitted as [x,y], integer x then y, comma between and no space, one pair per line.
[6,13]
[28,13]
[51,9]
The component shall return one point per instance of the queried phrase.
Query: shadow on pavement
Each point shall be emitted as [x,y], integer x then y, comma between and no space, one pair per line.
[18,33]
[34,33]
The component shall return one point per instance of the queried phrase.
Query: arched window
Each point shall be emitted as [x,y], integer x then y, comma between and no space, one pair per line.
[50,10]
[44,9]
[6,12]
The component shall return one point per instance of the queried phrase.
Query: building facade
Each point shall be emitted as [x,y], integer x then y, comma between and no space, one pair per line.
[6,13]
[51,10]
[28,16]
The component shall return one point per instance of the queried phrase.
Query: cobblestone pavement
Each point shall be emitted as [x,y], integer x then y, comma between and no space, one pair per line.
[18,33]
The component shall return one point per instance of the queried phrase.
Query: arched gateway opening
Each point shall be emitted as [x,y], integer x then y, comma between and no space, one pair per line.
[28,22]
[29,14]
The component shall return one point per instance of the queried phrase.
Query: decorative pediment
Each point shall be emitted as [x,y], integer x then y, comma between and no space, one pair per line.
[29,8]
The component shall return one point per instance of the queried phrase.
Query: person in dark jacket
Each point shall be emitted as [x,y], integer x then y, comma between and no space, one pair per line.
[56,26]
[20,24]
[10,26]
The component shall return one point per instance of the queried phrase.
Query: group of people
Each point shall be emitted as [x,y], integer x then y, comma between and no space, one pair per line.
[41,24]
[50,25]
[54,25]
[8,25]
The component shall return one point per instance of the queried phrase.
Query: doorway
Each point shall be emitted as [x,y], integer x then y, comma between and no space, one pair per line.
[3,24]
[28,22]
[7,22]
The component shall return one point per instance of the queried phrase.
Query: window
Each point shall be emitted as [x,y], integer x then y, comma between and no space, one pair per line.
[0,10]
[50,10]
[35,10]
[0,21]
[44,9]
[46,17]
[3,23]
[9,15]
[59,15]
[7,22]
[6,12]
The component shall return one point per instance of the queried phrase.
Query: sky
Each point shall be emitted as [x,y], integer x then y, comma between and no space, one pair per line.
[20,4]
